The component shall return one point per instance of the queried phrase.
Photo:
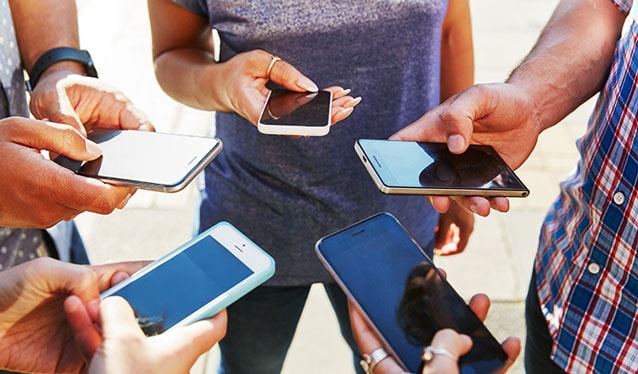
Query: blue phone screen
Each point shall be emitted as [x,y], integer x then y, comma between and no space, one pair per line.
[186,282]
[375,259]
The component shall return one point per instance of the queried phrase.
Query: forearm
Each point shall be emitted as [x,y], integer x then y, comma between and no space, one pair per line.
[191,77]
[571,60]
[457,51]
[45,24]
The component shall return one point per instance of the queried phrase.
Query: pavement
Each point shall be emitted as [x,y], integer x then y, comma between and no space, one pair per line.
[500,253]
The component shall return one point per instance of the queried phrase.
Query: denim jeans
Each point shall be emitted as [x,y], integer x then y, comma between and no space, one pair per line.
[261,326]
[538,343]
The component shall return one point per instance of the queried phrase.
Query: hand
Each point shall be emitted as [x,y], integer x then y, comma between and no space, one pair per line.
[496,114]
[37,192]
[453,230]
[125,349]
[245,78]
[84,103]
[34,333]
[457,344]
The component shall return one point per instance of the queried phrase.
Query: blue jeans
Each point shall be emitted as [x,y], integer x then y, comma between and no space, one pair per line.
[538,343]
[261,326]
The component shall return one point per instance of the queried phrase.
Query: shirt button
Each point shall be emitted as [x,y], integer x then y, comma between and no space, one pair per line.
[619,198]
[593,268]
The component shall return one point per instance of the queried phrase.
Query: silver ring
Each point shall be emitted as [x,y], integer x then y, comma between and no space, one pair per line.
[273,60]
[429,352]
[370,361]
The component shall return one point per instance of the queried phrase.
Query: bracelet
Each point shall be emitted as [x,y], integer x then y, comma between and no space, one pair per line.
[60,54]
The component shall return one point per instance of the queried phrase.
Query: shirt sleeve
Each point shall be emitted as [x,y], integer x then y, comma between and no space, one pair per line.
[199,7]
[623,5]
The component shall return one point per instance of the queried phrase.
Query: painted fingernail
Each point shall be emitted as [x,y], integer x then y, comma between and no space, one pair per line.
[352,103]
[307,84]
[345,92]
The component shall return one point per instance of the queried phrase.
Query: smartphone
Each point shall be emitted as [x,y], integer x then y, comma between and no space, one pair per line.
[147,160]
[420,168]
[296,113]
[402,294]
[196,280]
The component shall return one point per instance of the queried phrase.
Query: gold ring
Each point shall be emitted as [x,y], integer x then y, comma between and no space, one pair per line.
[273,60]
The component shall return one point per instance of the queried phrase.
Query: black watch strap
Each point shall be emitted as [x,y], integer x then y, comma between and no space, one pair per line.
[60,54]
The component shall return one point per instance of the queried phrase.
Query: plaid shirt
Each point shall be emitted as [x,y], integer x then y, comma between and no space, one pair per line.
[587,268]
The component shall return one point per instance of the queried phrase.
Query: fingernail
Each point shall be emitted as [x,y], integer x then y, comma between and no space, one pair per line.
[455,143]
[345,112]
[123,203]
[346,91]
[352,103]
[307,85]
[473,208]
[93,149]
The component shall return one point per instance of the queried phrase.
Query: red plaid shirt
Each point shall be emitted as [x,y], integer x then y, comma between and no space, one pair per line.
[587,268]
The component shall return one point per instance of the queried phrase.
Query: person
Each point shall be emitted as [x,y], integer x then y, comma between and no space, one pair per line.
[293,191]
[37,193]
[446,346]
[580,311]
[51,320]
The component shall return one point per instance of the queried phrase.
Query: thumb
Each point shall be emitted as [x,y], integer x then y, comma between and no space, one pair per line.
[55,138]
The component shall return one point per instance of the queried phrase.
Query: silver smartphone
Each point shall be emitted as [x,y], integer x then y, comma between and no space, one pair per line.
[402,294]
[296,113]
[147,160]
[196,280]
[421,168]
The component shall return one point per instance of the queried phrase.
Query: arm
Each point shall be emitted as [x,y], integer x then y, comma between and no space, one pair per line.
[63,94]
[457,49]
[457,73]
[568,65]
[186,69]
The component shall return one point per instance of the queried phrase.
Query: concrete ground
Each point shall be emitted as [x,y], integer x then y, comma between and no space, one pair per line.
[500,253]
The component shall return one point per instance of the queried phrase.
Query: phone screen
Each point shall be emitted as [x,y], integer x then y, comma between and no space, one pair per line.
[402,294]
[430,168]
[157,161]
[185,283]
[288,108]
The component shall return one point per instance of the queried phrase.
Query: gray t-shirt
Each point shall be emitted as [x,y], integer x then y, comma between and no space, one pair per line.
[286,193]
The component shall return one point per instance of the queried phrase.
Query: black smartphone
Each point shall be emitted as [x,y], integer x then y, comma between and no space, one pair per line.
[147,160]
[421,168]
[196,280]
[296,113]
[402,294]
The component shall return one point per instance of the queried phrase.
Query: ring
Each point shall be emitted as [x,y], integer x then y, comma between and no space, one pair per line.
[429,352]
[370,361]
[270,113]
[273,60]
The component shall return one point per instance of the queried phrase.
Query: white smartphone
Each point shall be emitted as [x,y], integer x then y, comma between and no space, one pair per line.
[296,113]
[147,160]
[402,294]
[196,280]
[421,168]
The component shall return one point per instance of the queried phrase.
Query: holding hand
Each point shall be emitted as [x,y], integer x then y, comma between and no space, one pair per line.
[34,333]
[500,115]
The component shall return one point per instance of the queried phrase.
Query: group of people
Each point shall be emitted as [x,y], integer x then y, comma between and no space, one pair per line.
[287,192]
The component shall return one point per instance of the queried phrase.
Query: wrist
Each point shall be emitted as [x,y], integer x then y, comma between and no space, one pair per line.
[61,58]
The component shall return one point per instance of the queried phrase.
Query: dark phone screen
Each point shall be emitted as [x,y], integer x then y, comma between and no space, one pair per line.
[183,284]
[297,108]
[374,259]
[431,165]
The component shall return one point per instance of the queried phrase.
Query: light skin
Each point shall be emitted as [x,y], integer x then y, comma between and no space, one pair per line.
[62,95]
[125,349]
[186,70]
[568,64]
[457,344]
[34,333]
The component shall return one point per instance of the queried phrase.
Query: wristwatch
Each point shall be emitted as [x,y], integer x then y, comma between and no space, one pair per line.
[60,54]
